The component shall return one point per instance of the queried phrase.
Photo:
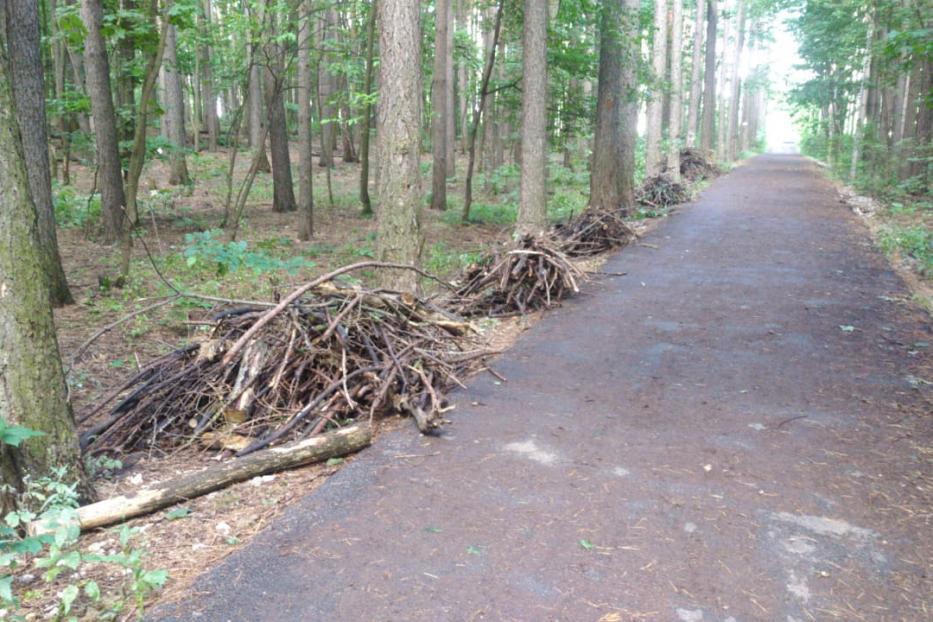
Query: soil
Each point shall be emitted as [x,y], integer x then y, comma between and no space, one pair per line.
[738,429]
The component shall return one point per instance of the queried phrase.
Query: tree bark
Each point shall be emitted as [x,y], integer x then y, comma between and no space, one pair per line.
[256,118]
[398,141]
[693,106]
[305,163]
[327,88]
[463,81]
[283,191]
[365,199]
[208,97]
[315,449]
[439,108]
[709,79]
[450,115]
[32,384]
[732,133]
[109,170]
[608,183]
[675,129]
[653,159]
[175,112]
[532,207]
[480,112]
[28,86]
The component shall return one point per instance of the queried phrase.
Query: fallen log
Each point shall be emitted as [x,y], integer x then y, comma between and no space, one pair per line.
[314,449]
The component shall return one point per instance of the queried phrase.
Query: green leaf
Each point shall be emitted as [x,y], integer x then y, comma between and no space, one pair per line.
[69,594]
[70,560]
[586,544]
[14,435]
[433,529]
[178,513]
[846,328]
[474,550]
[6,589]
[92,590]
[155,578]
[334,461]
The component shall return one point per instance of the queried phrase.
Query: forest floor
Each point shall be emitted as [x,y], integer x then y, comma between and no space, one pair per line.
[739,429]
[267,262]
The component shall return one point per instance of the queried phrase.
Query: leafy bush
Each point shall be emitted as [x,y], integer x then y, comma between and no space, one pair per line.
[915,242]
[204,249]
[74,210]
[53,547]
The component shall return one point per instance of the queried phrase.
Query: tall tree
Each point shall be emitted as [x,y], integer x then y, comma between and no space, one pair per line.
[305,164]
[439,108]
[655,136]
[709,79]
[611,181]
[22,19]
[674,131]
[32,385]
[175,111]
[532,207]
[328,86]
[732,129]
[450,115]
[398,140]
[365,199]
[208,96]
[696,67]
[283,191]
[109,171]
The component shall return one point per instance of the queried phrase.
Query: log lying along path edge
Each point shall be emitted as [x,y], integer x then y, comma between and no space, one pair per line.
[315,449]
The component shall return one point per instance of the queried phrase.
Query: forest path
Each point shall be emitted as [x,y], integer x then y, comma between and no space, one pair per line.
[736,430]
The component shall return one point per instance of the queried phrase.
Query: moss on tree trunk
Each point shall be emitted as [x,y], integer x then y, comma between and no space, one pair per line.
[32,384]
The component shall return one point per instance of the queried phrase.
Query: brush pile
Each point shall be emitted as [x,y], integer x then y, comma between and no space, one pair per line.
[661,192]
[695,165]
[534,274]
[592,232]
[265,376]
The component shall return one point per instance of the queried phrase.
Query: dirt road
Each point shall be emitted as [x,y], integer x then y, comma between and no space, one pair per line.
[739,429]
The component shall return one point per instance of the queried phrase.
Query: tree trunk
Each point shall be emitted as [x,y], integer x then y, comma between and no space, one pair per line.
[439,108]
[367,112]
[289,456]
[28,87]
[674,130]
[606,180]
[109,171]
[305,163]
[480,112]
[283,192]
[32,386]
[256,118]
[709,80]
[208,98]
[463,81]
[327,88]
[450,114]
[693,106]
[733,127]
[398,141]
[175,112]
[532,207]
[653,160]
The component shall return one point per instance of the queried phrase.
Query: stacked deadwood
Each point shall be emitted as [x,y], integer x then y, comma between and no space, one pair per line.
[592,232]
[265,376]
[531,274]
[661,192]
[695,165]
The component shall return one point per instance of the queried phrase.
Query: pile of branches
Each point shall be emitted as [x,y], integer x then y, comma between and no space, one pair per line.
[592,232]
[320,358]
[661,192]
[533,274]
[695,165]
